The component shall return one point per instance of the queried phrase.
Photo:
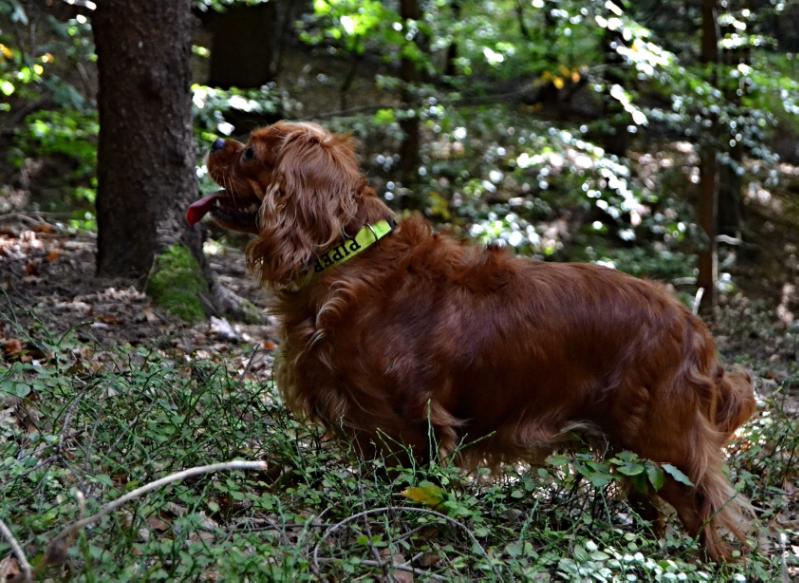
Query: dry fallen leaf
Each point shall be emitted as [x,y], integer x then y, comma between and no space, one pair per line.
[32,268]
[427,494]
[110,319]
[9,570]
[53,255]
[201,536]
[12,347]
[44,228]
[429,560]
[157,524]
[395,559]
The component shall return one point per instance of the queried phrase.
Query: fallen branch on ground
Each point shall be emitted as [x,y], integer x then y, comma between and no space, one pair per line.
[56,548]
[27,573]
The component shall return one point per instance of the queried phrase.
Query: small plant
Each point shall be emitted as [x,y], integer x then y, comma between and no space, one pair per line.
[83,424]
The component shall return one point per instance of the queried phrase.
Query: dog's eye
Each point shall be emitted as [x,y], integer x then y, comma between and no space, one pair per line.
[248,154]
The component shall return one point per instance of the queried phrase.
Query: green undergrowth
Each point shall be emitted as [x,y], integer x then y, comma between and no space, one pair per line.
[177,284]
[81,425]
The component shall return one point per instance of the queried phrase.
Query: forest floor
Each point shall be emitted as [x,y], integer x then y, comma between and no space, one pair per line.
[101,392]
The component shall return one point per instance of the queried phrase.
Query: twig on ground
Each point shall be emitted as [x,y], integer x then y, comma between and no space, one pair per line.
[68,416]
[27,572]
[138,492]
[358,515]
[249,362]
[697,301]
[782,539]
[28,219]
[375,552]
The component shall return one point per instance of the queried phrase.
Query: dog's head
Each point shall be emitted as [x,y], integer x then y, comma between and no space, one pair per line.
[297,187]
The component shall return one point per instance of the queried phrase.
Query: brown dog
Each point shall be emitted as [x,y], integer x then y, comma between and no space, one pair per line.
[391,330]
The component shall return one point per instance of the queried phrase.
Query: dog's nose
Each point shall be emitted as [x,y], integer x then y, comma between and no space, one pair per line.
[218,144]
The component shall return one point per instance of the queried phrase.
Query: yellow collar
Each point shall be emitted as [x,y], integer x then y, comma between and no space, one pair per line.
[349,248]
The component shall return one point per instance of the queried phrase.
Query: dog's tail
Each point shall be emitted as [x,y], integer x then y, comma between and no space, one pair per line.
[717,502]
[727,401]
[736,400]
[727,398]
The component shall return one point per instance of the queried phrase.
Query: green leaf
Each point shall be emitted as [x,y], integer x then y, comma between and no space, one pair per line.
[6,87]
[598,479]
[626,457]
[631,469]
[519,549]
[598,473]
[104,479]
[580,553]
[639,483]
[15,388]
[482,531]
[557,460]
[321,7]
[656,476]
[677,474]
[385,117]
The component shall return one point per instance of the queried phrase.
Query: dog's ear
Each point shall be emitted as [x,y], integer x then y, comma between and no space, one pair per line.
[311,201]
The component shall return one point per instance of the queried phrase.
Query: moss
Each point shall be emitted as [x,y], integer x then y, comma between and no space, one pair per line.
[177,284]
[252,314]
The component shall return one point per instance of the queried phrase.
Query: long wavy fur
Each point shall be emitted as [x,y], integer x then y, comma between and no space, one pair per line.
[422,330]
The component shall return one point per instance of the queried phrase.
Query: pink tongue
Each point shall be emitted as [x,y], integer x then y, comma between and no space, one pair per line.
[199,209]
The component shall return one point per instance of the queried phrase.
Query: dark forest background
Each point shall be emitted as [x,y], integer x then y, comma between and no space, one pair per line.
[653,136]
[659,137]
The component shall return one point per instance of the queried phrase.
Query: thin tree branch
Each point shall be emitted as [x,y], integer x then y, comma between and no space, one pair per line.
[27,572]
[250,361]
[511,96]
[700,292]
[138,492]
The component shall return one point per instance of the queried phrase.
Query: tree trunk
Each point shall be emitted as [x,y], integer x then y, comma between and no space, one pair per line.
[344,88]
[145,158]
[708,191]
[520,18]
[730,177]
[451,66]
[245,45]
[614,136]
[411,141]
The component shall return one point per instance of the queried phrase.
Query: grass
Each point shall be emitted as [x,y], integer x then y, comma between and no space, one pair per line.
[81,425]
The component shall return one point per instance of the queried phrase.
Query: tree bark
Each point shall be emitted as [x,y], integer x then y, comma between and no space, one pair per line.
[145,157]
[730,177]
[450,66]
[615,137]
[411,141]
[520,18]
[708,192]
[245,45]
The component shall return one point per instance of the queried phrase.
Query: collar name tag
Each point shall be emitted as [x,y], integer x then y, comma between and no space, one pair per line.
[349,248]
